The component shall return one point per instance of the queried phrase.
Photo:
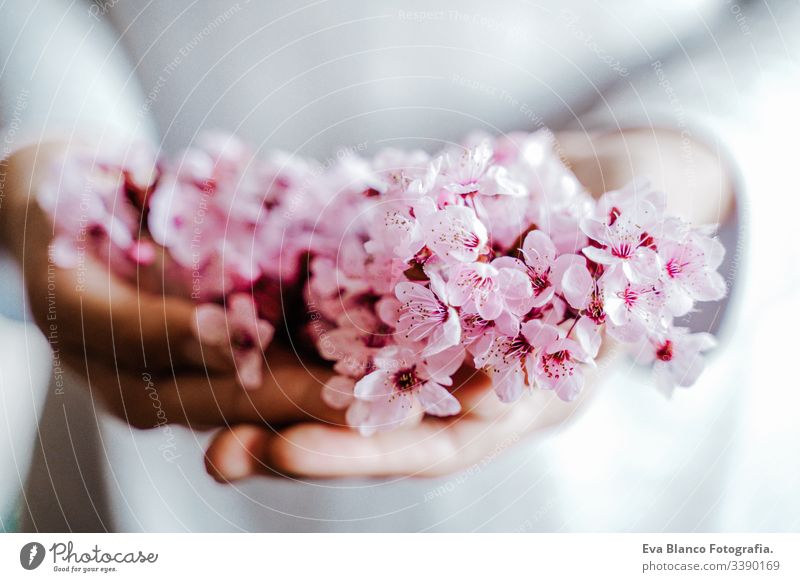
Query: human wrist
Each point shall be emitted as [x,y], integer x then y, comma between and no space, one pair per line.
[21,174]
[6,204]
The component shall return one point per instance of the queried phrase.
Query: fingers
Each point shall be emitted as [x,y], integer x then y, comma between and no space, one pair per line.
[95,312]
[91,309]
[289,393]
[326,450]
[237,453]
[147,400]
[434,447]
[88,307]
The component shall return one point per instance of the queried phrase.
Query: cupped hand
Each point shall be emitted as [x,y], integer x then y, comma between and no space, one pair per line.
[434,447]
[137,347]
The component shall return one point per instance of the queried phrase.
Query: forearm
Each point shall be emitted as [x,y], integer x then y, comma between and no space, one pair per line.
[20,217]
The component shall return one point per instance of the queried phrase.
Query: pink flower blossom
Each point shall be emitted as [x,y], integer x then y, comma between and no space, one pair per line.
[540,258]
[676,356]
[690,271]
[402,380]
[632,309]
[455,234]
[557,366]
[97,199]
[358,337]
[509,361]
[199,210]
[399,266]
[626,228]
[424,315]
[484,288]
[472,173]
[240,330]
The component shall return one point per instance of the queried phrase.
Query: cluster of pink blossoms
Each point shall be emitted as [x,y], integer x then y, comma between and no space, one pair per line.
[490,255]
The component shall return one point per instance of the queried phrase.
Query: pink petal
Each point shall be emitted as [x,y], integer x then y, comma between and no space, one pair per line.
[490,306]
[381,415]
[387,309]
[248,368]
[599,256]
[686,371]
[709,287]
[357,416]
[538,249]
[643,267]
[507,324]
[373,387]
[405,291]
[446,335]
[438,286]
[265,331]
[632,331]
[576,282]
[514,283]
[436,400]
[64,252]
[509,383]
[679,302]
[595,230]
[211,324]
[443,365]
[338,343]
[457,290]
[338,392]
[142,253]
[242,310]
[568,388]
[539,334]
[588,335]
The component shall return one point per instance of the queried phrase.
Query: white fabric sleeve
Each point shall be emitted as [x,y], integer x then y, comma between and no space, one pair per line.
[64,73]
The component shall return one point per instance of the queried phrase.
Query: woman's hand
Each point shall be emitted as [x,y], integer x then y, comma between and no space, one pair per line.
[133,345]
[129,343]
[437,446]
[699,188]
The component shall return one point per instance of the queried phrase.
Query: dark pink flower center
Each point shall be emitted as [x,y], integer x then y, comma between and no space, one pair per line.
[558,364]
[468,240]
[664,351]
[473,325]
[595,309]
[540,279]
[425,311]
[674,268]
[473,280]
[95,231]
[406,380]
[647,240]
[624,250]
[242,340]
[518,348]
[629,296]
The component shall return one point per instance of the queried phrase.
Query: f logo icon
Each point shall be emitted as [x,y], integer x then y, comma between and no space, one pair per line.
[31,555]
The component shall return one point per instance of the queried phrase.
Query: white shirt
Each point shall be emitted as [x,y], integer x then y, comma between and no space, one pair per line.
[311,77]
